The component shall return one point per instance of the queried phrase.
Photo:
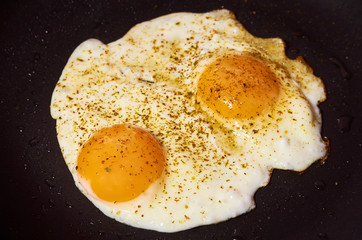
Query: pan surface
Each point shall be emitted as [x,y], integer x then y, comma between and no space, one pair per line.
[39,199]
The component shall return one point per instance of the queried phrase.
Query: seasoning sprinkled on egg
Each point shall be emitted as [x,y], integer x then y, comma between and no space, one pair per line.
[179,122]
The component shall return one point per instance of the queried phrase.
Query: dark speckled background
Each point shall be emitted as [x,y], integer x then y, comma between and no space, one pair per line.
[38,197]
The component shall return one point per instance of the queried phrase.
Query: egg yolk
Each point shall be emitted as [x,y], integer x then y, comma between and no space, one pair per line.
[238,86]
[121,162]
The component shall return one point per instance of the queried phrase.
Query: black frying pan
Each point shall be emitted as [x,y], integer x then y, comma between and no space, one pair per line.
[38,197]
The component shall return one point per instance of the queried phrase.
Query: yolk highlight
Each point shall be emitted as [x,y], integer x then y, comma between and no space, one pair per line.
[238,86]
[121,162]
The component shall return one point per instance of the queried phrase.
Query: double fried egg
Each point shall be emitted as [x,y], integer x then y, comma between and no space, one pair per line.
[179,122]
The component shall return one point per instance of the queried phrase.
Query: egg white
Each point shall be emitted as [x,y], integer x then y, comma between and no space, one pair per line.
[147,79]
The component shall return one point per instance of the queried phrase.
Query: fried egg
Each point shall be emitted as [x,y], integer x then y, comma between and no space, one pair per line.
[179,122]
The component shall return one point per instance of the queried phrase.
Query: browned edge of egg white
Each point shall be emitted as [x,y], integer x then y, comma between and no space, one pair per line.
[309,69]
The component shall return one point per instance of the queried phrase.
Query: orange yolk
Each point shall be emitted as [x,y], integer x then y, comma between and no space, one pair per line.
[120,162]
[238,86]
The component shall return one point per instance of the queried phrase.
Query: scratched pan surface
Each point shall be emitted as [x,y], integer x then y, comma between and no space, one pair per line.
[38,197]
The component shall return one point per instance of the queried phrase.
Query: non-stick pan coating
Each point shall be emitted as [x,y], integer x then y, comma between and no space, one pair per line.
[38,197]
